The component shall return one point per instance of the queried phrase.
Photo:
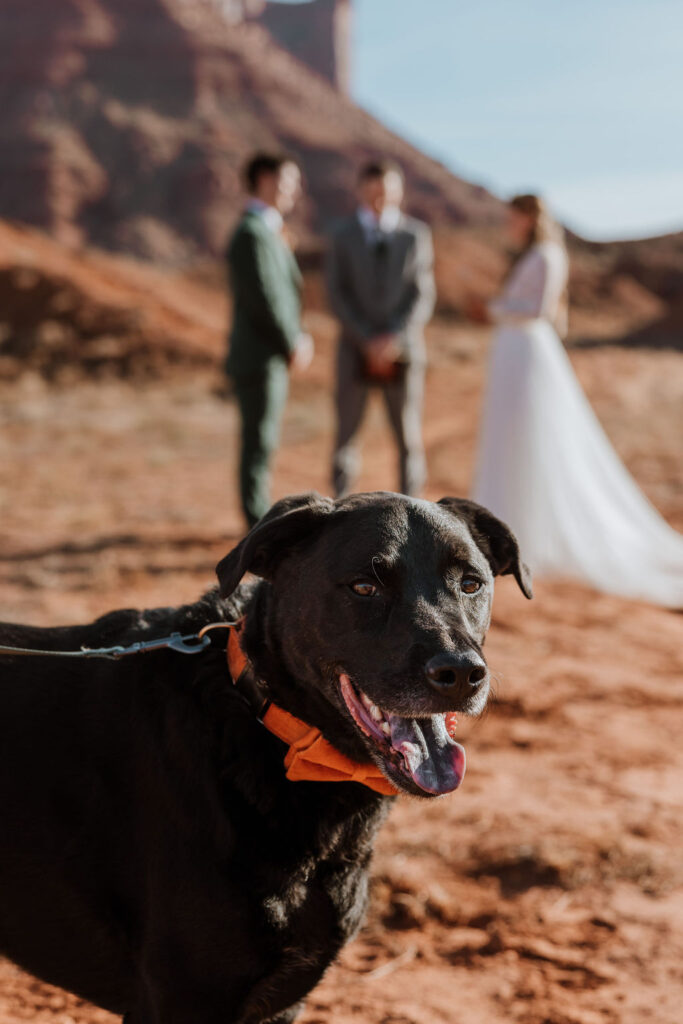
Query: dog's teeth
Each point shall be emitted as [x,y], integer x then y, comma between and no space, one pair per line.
[376,713]
[366,700]
[386,729]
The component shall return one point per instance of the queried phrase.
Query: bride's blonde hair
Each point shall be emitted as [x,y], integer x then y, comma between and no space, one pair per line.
[544,228]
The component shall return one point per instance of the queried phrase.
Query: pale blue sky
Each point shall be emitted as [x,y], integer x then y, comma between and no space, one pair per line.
[579,99]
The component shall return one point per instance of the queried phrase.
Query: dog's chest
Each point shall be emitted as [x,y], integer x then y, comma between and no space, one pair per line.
[318,903]
[335,890]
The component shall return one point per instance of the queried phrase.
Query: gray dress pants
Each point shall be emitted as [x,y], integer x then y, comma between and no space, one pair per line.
[403,398]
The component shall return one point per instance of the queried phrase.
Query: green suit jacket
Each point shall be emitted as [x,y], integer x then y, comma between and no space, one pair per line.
[266,286]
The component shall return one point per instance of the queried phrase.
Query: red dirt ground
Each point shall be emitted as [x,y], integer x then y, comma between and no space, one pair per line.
[549,890]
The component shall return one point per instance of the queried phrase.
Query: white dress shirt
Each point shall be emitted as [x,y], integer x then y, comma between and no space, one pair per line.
[374,226]
[271,217]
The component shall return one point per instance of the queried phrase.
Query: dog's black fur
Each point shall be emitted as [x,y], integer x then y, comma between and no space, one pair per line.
[153,856]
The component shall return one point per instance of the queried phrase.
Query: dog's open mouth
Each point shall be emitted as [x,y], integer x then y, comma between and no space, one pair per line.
[421,750]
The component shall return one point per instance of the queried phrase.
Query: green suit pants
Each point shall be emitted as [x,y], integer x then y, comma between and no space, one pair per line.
[261,399]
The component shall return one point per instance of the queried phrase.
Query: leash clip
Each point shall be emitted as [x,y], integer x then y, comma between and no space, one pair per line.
[182,644]
[188,644]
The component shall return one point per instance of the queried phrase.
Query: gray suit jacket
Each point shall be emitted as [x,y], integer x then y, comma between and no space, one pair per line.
[385,288]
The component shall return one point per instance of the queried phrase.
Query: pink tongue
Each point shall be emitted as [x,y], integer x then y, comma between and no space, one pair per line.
[436,762]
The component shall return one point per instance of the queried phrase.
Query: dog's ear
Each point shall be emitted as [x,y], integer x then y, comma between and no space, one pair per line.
[495,539]
[287,522]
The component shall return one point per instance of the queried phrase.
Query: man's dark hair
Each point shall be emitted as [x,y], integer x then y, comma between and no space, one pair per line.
[379,169]
[264,163]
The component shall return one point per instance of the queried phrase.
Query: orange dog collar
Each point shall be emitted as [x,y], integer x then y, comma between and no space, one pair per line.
[310,758]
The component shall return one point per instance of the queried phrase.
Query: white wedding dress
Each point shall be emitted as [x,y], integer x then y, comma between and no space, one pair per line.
[546,467]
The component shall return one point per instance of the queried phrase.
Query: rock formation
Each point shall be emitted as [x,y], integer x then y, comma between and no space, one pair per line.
[318,33]
[126,123]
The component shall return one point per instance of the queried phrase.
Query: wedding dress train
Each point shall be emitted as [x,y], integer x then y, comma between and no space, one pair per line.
[545,465]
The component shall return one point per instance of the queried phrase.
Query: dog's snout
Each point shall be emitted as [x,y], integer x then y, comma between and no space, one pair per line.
[459,673]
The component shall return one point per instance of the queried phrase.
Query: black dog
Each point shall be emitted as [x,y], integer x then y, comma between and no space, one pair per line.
[154,857]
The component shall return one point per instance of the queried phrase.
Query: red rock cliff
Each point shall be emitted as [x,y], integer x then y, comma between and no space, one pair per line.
[126,123]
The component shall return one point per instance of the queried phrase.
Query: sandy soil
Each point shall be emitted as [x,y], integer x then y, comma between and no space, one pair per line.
[549,890]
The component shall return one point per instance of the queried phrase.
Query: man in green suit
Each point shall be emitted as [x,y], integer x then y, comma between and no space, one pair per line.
[266,337]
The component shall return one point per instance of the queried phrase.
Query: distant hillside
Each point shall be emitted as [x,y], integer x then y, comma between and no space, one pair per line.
[66,314]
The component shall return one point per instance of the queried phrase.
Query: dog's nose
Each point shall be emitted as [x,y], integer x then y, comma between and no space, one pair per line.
[452,674]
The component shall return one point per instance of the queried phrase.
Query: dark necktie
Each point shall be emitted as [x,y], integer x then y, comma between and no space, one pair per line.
[380,250]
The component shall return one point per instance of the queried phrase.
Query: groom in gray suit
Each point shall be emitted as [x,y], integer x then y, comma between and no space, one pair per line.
[381,288]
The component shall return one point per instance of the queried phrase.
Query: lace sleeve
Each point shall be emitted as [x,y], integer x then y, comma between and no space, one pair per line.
[534,288]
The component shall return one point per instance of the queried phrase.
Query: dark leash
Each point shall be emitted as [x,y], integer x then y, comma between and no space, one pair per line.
[189,643]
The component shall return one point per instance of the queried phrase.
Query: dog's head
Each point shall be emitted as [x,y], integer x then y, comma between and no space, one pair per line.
[379,604]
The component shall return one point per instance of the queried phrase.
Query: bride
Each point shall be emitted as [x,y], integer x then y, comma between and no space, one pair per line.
[544,463]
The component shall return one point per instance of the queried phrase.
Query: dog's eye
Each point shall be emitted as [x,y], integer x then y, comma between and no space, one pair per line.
[470,584]
[364,589]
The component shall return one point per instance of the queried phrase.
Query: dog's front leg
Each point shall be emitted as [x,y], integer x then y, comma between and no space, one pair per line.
[289,1016]
[287,986]
[187,1015]
[191,1005]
